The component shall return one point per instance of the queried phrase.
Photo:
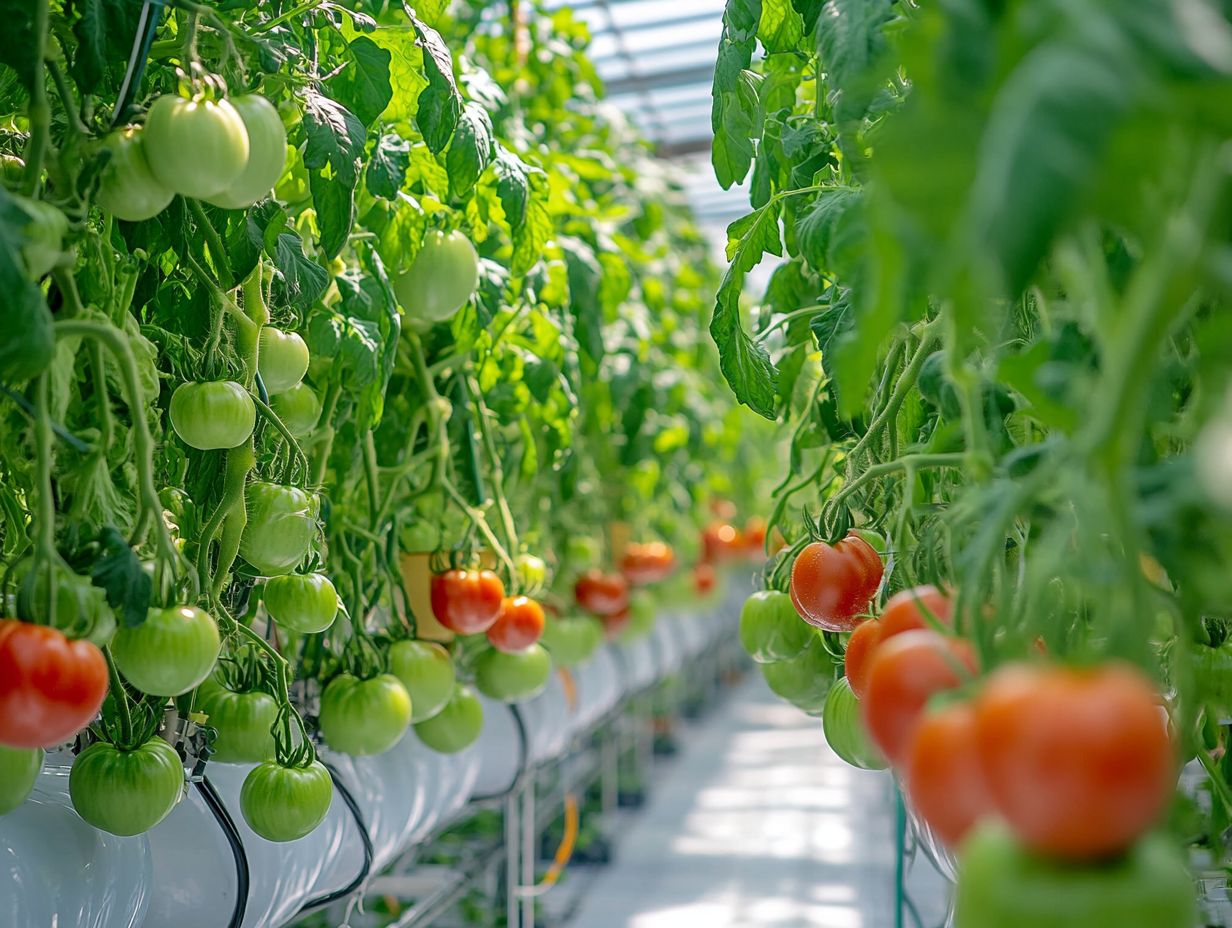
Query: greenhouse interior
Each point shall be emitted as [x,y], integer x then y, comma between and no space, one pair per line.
[616,464]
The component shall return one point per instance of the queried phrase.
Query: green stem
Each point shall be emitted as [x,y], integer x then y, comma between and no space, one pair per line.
[39,109]
[788,317]
[372,479]
[106,429]
[66,96]
[240,462]
[325,442]
[498,473]
[45,539]
[119,698]
[912,461]
[306,7]
[222,260]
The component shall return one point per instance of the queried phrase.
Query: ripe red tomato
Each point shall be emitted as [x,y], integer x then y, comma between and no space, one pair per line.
[519,625]
[903,674]
[860,647]
[615,624]
[1078,760]
[720,542]
[600,593]
[905,610]
[832,584]
[467,601]
[755,537]
[645,563]
[50,687]
[704,579]
[944,779]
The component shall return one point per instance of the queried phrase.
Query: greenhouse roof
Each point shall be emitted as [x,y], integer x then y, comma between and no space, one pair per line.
[657,62]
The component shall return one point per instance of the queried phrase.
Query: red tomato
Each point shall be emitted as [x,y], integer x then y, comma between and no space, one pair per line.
[704,579]
[720,542]
[904,673]
[519,625]
[1079,761]
[50,687]
[467,601]
[755,537]
[600,593]
[830,585]
[944,779]
[860,647]
[905,610]
[616,623]
[647,563]
[868,563]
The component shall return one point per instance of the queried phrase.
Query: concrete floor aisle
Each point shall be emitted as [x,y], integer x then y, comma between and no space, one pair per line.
[757,824]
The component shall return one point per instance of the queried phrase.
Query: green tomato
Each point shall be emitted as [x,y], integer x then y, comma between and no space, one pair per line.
[19,768]
[803,681]
[771,629]
[127,188]
[442,278]
[456,726]
[285,803]
[844,729]
[362,717]
[168,654]
[513,676]
[533,571]
[196,148]
[426,670]
[42,235]
[267,153]
[282,523]
[212,415]
[298,408]
[126,792]
[243,722]
[304,603]
[1003,885]
[583,551]
[571,640]
[12,170]
[282,360]
[642,617]
[420,537]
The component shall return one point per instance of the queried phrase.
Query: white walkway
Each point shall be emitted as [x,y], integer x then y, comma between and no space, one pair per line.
[756,824]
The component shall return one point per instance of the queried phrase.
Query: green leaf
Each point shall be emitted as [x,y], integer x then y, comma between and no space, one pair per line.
[387,169]
[781,27]
[512,186]
[104,34]
[850,42]
[120,572]
[530,237]
[732,113]
[816,229]
[363,85]
[29,342]
[745,363]
[471,149]
[18,48]
[334,203]
[431,11]
[335,137]
[440,103]
[585,281]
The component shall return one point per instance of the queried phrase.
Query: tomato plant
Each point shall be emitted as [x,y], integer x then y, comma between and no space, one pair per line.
[244,722]
[647,562]
[442,278]
[919,607]
[169,653]
[832,585]
[127,188]
[126,792]
[285,803]
[283,360]
[860,648]
[282,523]
[207,416]
[267,154]
[803,680]
[844,730]
[364,716]
[571,640]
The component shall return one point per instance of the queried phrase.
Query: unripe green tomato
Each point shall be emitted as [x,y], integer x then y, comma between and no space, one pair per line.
[282,523]
[212,415]
[244,722]
[513,676]
[19,768]
[197,148]
[126,792]
[364,717]
[286,803]
[298,408]
[804,681]
[456,726]
[282,360]
[844,729]
[127,188]
[168,654]
[304,603]
[426,670]
[771,629]
[42,235]
[267,153]
[533,572]
[441,279]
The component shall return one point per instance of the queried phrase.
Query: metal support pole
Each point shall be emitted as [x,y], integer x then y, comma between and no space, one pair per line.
[529,852]
[513,871]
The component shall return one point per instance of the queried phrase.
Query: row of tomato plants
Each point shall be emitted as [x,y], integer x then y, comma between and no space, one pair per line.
[338,335]
[997,341]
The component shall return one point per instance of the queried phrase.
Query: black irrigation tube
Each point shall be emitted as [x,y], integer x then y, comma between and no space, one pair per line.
[147,25]
[524,766]
[242,875]
[365,839]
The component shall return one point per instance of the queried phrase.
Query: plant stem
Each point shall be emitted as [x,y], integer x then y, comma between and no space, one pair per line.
[119,697]
[221,259]
[39,110]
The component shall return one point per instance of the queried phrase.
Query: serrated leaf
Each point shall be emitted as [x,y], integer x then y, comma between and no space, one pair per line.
[585,277]
[470,151]
[850,41]
[363,86]
[105,31]
[120,573]
[334,202]
[781,28]
[18,48]
[29,341]
[512,186]
[530,237]
[816,227]
[335,137]
[387,168]
[731,112]
[440,103]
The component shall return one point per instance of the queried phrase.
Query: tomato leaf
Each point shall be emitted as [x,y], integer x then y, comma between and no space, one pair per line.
[781,27]
[335,137]
[335,207]
[18,48]
[585,280]
[440,103]
[732,112]
[120,572]
[29,342]
[850,41]
[387,169]
[471,149]
[364,84]
[819,227]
